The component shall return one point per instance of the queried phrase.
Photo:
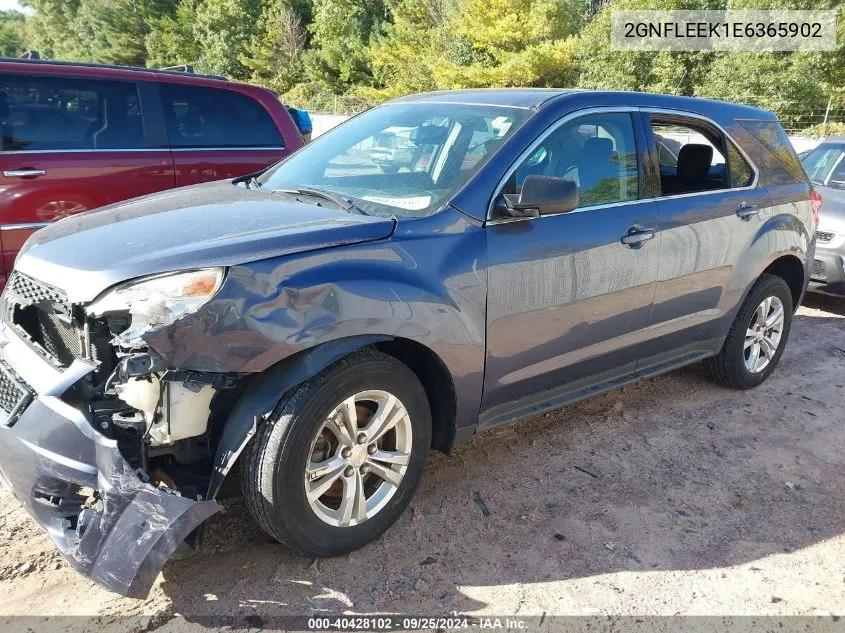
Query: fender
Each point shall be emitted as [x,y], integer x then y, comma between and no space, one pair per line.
[780,235]
[262,395]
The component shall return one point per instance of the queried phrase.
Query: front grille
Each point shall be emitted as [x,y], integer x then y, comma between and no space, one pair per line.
[30,291]
[43,315]
[818,270]
[823,237]
[60,339]
[15,395]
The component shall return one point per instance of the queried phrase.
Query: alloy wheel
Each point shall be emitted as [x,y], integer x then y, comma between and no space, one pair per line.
[358,458]
[762,337]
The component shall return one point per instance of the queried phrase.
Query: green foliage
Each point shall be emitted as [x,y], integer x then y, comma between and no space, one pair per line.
[341,32]
[171,39]
[12,37]
[223,29]
[347,54]
[474,43]
[820,130]
[274,55]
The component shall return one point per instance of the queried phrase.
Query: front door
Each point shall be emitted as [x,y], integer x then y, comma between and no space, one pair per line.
[570,295]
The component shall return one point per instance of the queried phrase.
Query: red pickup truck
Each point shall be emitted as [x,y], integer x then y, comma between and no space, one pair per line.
[79,136]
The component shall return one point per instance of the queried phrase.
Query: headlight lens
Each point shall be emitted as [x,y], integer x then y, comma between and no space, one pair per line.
[158,301]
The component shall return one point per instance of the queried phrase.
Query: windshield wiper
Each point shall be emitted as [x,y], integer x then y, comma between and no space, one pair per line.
[335,198]
[251,182]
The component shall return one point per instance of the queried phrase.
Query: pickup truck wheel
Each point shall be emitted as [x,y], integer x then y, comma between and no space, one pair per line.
[757,336]
[340,457]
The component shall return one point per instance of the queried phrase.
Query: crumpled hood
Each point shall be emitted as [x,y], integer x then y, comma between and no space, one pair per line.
[215,224]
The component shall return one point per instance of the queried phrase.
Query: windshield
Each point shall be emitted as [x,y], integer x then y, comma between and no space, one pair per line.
[400,159]
[825,165]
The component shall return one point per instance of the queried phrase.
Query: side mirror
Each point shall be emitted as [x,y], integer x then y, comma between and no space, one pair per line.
[541,195]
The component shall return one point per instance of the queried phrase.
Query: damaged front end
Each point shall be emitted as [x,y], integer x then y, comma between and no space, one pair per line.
[108,448]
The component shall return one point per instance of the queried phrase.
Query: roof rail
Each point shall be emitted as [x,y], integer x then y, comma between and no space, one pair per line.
[184,68]
[30,55]
[55,62]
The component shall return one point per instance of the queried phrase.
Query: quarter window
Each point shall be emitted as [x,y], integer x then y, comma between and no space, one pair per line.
[597,152]
[742,174]
[54,113]
[210,117]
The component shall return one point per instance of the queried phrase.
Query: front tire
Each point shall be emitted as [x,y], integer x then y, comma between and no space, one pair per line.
[339,459]
[757,336]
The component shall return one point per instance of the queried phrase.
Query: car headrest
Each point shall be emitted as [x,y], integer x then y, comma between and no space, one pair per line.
[694,162]
[597,148]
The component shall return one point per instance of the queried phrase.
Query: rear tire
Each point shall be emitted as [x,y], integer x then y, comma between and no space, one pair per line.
[318,477]
[757,336]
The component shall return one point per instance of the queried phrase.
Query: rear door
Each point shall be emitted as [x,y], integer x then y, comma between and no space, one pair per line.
[70,144]
[217,132]
[710,209]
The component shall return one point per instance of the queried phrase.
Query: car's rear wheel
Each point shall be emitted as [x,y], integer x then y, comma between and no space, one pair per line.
[757,336]
[339,459]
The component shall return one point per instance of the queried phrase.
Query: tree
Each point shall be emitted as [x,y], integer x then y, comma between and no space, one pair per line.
[12,37]
[171,40]
[108,31]
[274,56]
[341,31]
[474,43]
[48,30]
[223,29]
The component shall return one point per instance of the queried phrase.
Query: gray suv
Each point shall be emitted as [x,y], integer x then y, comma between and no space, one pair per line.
[326,322]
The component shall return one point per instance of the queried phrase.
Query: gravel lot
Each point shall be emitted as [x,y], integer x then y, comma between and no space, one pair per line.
[670,497]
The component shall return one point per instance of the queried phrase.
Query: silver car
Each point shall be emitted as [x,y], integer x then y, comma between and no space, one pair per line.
[825,165]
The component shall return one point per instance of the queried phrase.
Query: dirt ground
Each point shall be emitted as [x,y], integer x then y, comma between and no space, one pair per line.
[674,496]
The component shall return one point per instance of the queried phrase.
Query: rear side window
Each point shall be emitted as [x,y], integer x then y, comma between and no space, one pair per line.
[208,117]
[691,158]
[57,113]
[770,134]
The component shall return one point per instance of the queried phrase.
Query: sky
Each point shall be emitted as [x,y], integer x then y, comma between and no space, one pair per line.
[5,5]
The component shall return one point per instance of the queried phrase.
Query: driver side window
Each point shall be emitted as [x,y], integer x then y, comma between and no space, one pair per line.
[597,152]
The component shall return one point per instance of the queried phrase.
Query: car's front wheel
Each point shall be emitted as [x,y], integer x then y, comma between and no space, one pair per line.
[339,459]
[757,336]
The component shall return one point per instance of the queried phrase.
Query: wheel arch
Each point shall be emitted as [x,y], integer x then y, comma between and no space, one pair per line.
[791,270]
[263,389]
[437,382]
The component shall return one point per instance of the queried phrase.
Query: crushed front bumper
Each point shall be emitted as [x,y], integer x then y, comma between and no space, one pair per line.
[50,454]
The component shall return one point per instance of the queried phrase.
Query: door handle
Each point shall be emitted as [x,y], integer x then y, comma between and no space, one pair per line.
[636,236]
[745,211]
[24,173]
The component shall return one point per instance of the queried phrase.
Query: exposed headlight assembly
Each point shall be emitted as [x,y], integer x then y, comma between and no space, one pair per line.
[155,302]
